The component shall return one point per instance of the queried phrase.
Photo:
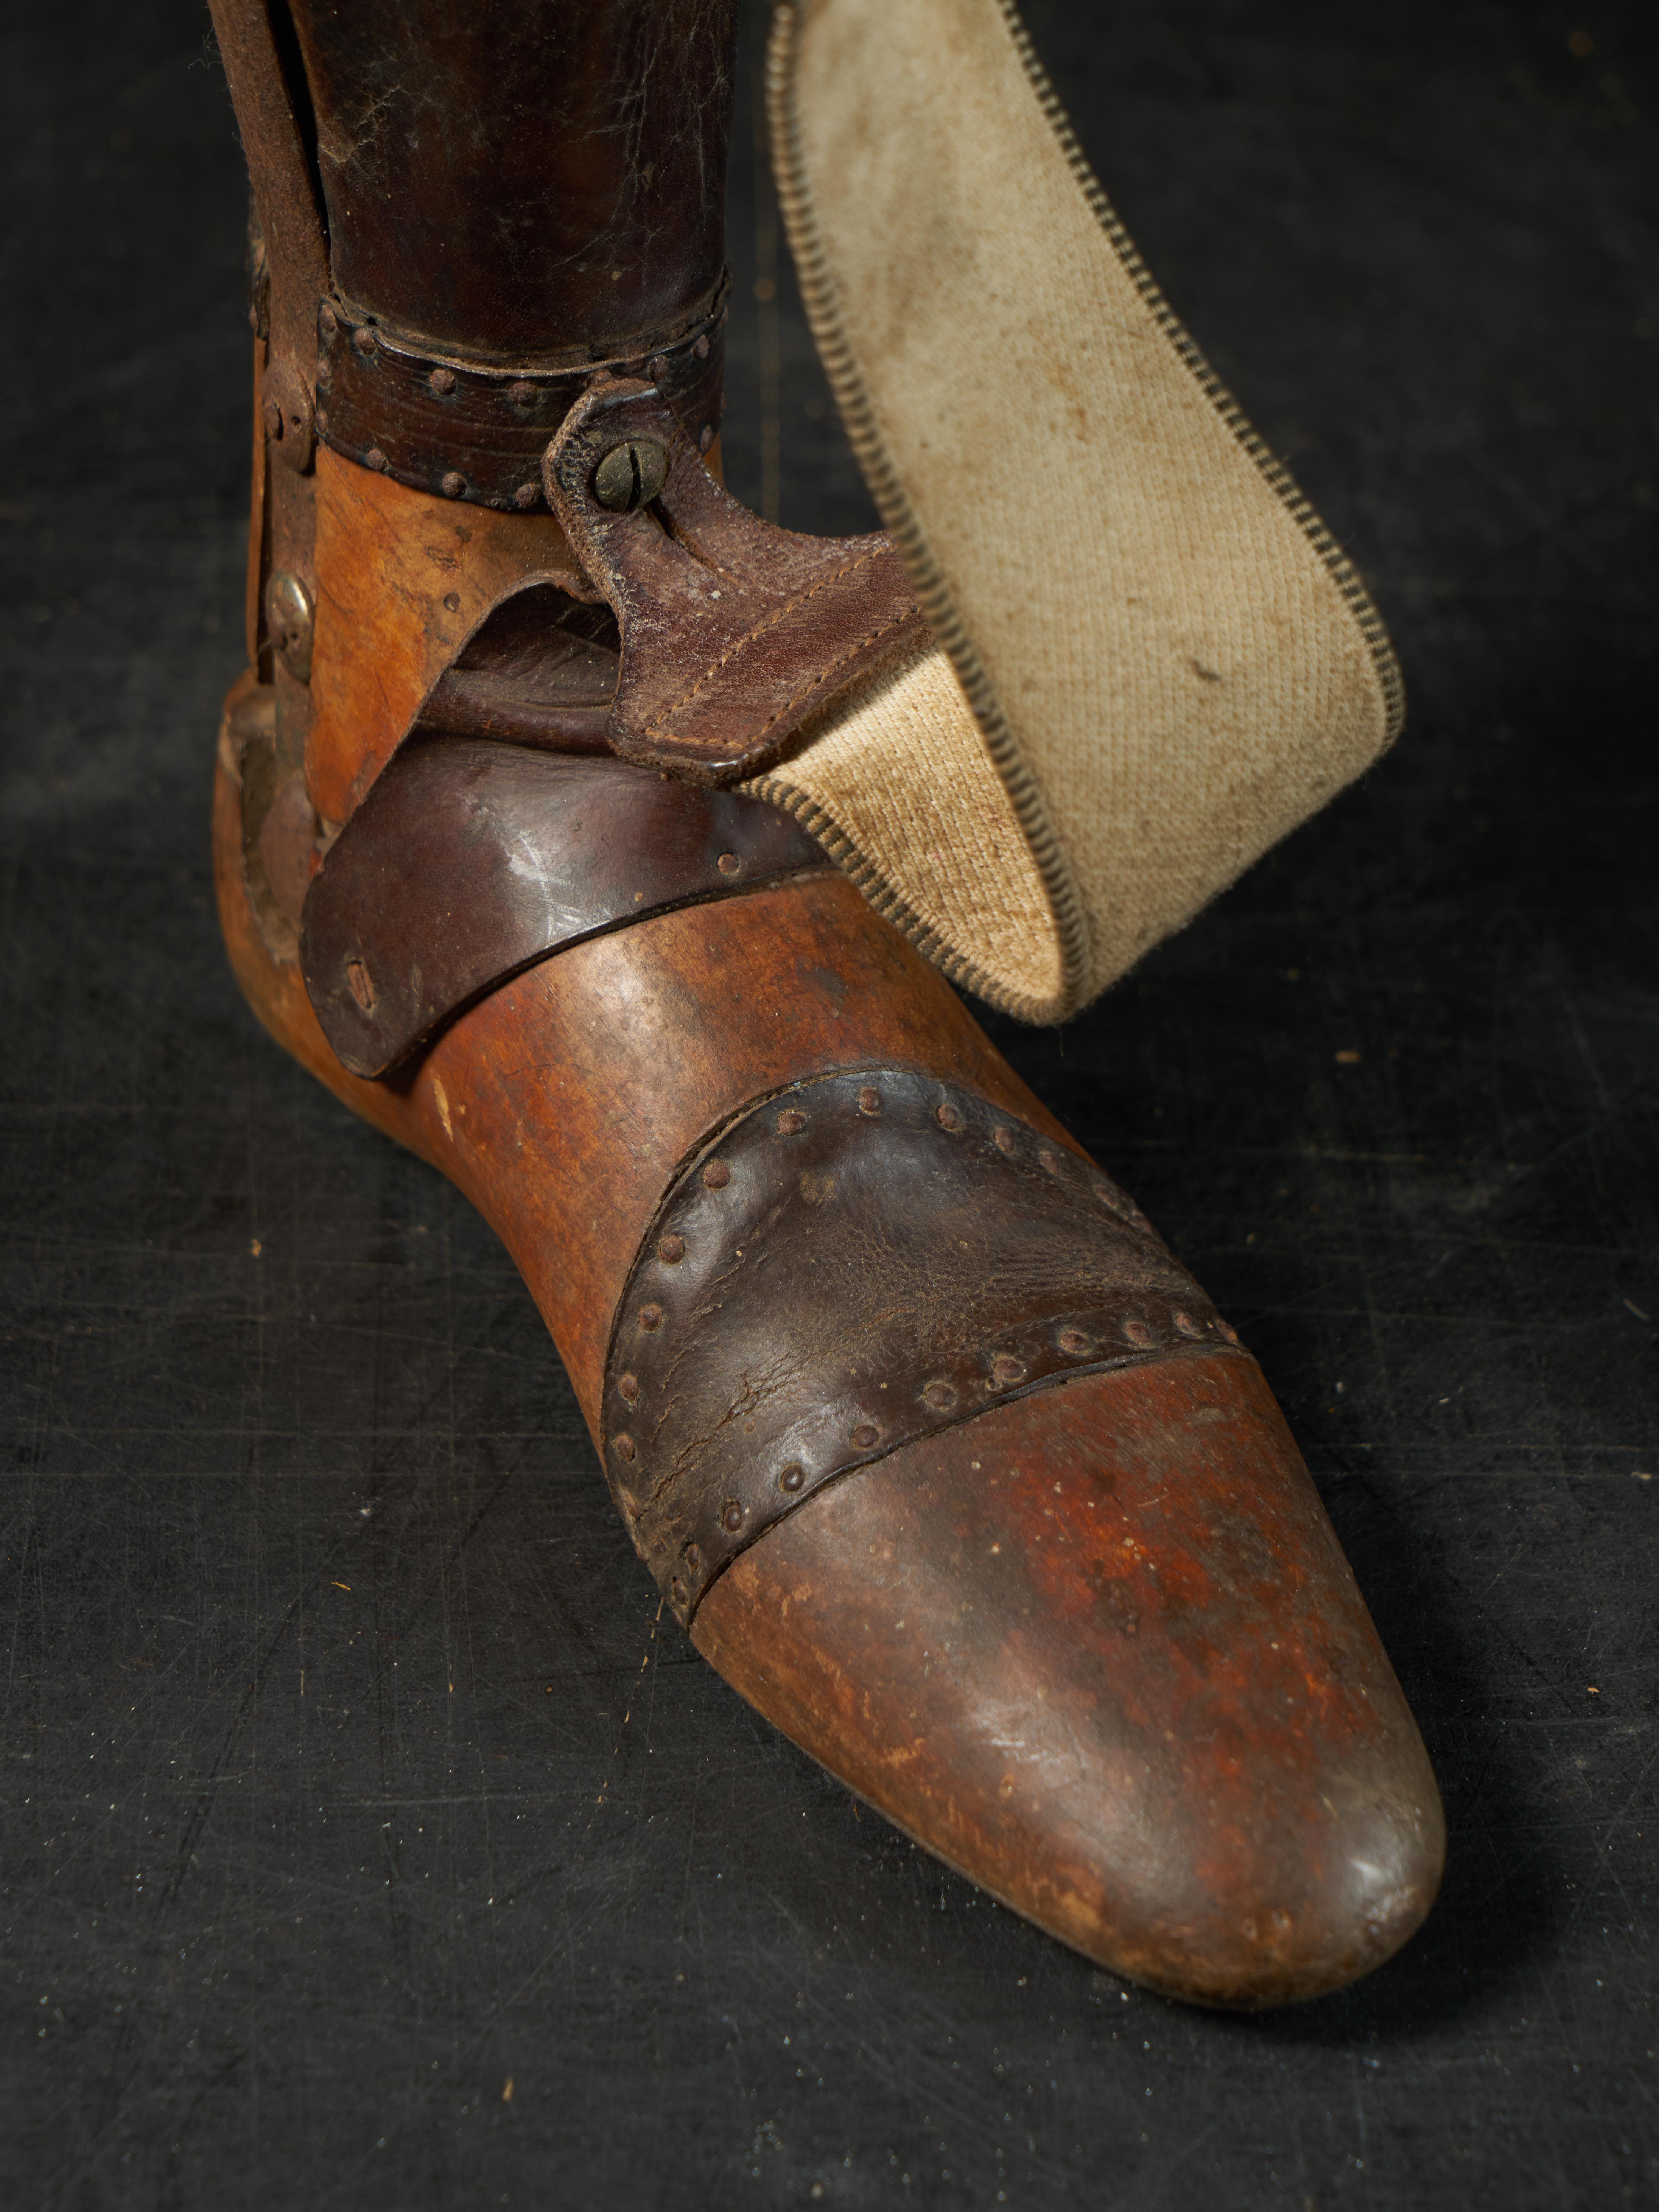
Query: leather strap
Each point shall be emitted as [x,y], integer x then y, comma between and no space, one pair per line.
[470,859]
[735,635]
[856,1263]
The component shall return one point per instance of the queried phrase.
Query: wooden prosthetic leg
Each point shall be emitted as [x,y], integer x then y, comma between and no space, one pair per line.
[934,1450]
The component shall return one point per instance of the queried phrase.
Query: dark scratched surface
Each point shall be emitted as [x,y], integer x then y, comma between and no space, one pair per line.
[367,1839]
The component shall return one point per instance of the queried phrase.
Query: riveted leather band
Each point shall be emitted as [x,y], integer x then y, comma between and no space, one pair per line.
[474,429]
[470,859]
[858,1261]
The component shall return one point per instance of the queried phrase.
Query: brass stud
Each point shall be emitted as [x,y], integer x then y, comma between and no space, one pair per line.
[730,863]
[452,483]
[947,1116]
[791,1478]
[869,1100]
[671,1250]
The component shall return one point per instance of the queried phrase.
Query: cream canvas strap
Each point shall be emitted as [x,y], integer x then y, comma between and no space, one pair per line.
[1151,658]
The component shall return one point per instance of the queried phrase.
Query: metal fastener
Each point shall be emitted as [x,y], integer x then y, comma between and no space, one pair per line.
[947,1116]
[732,1516]
[623,1446]
[1074,1341]
[865,1435]
[705,437]
[791,1121]
[291,621]
[327,321]
[1050,1161]
[364,339]
[940,1396]
[701,349]
[730,863]
[443,381]
[629,1386]
[716,1175]
[693,1556]
[791,1478]
[528,495]
[374,458]
[452,483]
[1007,1370]
[869,1099]
[651,1316]
[1003,1140]
[522,392]
[1188,1326]
[452,603]
[1136,1332]
[286,405]
[361,985]
[673,1249]
[677,1591]
[630,475]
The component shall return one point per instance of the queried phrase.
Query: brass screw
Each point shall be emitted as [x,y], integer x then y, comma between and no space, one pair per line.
[630,475]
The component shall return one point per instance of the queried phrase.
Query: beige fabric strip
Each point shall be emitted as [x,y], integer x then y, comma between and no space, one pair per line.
[1153,661]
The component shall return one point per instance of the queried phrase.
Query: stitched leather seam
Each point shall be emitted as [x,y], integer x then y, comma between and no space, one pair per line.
[658,728]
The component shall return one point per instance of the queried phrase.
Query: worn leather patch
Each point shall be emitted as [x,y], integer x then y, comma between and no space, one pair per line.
[470,859]
[857,1262]
[735,635]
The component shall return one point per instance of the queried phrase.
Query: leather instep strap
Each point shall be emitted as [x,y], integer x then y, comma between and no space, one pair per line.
[855,1262]
[470,859]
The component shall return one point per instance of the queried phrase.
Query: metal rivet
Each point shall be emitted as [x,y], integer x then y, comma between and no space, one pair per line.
[1003,1140]
[791,1121]
[677,1591]
[327,321]
[940,1396]
[947,1116]
[1005,1369]
[693,1556]
[673,1249]
[1188,1326]
[657,367]
[374,458]
[1228,1331]
[630,475]
[623,1446]
[729,864]
[732,1516]
[701,349]
[865,1435]
[1136,1332]
[443,381]
[705,437]
[717,1175]
[325,372]
[651,1316]
[1074,1341]
[364,339]
[322,422]
[791,1478]
[528,495]
[629,1386]
[1050,1161]
[452,602]
[869,1099]
[522,392]
[361,985]
[452,483]
[291,621]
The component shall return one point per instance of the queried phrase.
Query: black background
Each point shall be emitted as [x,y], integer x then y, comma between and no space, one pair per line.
[350,1773]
